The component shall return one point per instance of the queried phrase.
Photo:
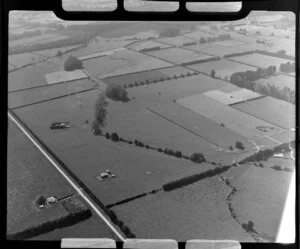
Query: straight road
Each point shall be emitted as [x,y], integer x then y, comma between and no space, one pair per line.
[69,180]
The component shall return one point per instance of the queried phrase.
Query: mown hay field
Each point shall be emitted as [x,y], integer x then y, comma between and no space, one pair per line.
[272,110]
[233,119]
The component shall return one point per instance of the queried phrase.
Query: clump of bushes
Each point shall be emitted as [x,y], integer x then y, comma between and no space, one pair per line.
[117,93]
[197,158]
[72,63]
[249,227]
[41,201]
[276,167]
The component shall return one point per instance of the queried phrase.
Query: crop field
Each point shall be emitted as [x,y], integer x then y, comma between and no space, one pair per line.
[173,89]
[235,120]
[223,68]
[63,76]
[31,96]
[122,62]
[195,211]
[229,43]
[214,49]
[259,60]
[285,162]
[280,81]
[88,155]
[34,75]
[272,110]
[147,45]
[37,39]
[204,128]
[156,74]
[178,55]
[234,97]
[29,175]
[260,196]
[176,41]
[21,60]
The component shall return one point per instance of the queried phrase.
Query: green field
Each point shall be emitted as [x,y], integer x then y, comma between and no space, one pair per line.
[195,211]
[279,81]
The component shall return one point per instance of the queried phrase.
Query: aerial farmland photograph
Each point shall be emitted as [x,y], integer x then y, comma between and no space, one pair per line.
[152,130]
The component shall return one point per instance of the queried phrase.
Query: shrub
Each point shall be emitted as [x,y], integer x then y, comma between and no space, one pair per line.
[276,167]
[41,200]
[213,163]
[72,63]
[197,158]
[186,157]
[159,93]
[107,135]
[178,154]
[130,142]
[230,147]
[175,77]
[125,86]
[162,79]
[168,151]
[288,169]
[115,137]
[239,145]
[249,227]
[117,92]
[159,150]
[147,146]
[96,130]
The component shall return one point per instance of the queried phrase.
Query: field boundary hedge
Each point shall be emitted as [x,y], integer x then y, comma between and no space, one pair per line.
[64,221]
[238,54]
[194,178]
[114,219]
[264,52]
[133,198]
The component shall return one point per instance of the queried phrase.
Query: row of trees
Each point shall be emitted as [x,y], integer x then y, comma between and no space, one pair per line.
[194,178]
[148,82]
[195,157]
[264,155]
[279,54]
[222,37]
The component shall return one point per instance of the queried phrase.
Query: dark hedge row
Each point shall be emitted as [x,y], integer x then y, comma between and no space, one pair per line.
[195,157]
[278,54]
[148,82]
[150,49]
[201,61]
[238,54]
[194,178]
[133,198]
[64,221]
[264,155]
[127,232]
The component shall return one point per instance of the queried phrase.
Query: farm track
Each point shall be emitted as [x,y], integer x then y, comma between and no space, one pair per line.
[254,234]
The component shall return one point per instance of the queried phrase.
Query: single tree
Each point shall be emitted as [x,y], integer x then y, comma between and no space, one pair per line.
[213,73]
[72,63]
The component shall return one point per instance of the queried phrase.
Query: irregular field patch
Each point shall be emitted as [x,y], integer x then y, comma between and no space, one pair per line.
[272,110]
[122,62]
[260,196]
[195,211]
[223,68]
[21,60]
[229,43]
[178,55]
[259,60]
[235,120]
